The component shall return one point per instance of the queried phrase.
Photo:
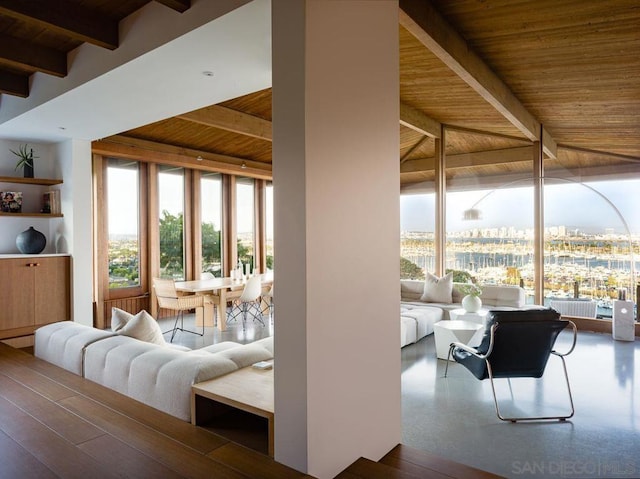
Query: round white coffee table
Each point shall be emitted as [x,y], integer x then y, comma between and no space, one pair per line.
[479,316]
[455,331]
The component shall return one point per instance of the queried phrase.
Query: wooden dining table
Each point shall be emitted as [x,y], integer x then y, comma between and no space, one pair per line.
[218,292]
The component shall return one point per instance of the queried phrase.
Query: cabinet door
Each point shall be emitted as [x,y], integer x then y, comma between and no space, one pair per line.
[16,293]
[51,290]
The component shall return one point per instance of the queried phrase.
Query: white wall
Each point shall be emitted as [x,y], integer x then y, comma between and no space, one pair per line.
[336,206]
[73,235]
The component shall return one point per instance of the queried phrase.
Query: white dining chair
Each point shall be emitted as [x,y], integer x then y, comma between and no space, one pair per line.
[267,297]
[248,301]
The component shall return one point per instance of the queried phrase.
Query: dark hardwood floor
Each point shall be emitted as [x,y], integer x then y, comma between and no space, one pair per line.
[56,424]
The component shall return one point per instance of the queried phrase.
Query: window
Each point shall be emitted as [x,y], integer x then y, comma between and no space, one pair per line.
[123,223]
[171,208]
[269,226]
[417,223]
[211,214]
[245,220]
[591,251]
[490,235]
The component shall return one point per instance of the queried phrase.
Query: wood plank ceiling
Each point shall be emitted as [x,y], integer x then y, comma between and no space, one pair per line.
[493,72]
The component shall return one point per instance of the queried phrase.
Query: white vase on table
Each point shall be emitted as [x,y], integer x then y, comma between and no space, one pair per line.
[471,303]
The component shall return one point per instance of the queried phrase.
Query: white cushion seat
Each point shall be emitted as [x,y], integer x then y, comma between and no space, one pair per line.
[63,343]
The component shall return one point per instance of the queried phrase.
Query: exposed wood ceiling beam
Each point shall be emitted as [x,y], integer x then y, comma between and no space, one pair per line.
[466,160]
[473,131]
[429,27]
[150,151]
[406,156]
[17,85]
[178,5]
[600,153]
[67,18]
[418,121]
[21,54]
[231,120]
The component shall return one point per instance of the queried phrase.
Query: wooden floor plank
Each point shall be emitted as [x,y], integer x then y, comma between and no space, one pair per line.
[60,456]
[163,449]
[67,425]
[403,454]
[36,381]
[367,469]
[16,462]
[197,438]
[124,460]
[253,464]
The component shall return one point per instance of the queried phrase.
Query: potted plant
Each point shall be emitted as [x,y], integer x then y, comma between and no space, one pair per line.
[26,157]
[471,302]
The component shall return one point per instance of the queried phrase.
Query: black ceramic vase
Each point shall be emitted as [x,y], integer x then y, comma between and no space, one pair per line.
[28,170]
[31,241]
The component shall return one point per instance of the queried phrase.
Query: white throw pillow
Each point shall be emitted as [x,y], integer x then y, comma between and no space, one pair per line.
[144,328]
[119,319]
[437,290]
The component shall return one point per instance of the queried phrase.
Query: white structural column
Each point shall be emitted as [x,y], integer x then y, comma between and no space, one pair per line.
[336,207]
[73,235]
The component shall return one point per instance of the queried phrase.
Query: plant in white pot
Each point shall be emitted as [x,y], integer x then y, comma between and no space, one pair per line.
[471,302]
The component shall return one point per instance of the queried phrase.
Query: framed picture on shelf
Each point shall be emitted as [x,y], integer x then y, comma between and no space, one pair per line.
[11,201]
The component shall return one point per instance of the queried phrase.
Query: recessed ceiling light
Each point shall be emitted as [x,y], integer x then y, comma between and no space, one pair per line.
[198,158]
[207,73]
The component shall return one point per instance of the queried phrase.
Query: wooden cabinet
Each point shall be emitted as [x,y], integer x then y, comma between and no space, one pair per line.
[34,290]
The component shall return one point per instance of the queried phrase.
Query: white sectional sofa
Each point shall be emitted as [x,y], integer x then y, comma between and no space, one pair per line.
[418,317]
[157,375]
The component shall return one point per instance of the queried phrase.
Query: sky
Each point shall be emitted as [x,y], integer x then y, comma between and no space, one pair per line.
[124,183]
[568,204]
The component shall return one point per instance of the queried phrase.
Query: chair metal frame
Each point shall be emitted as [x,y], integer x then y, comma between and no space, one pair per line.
[486,358]
[168,298]
[246,302]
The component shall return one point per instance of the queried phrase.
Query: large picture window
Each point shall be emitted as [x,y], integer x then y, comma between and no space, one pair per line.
[245,220]
[211,214]
[123,223]
[171,208]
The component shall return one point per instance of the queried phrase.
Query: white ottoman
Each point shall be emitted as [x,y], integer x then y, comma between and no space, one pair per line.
[408,330]
[455,331]
[63,343]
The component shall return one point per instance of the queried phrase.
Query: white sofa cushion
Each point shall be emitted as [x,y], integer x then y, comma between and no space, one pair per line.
[408,330]
[425,317]
[143,327]
[63,343]
[119,319]
[437,290]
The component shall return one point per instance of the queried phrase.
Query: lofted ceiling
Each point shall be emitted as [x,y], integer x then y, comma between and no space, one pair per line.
[491,74]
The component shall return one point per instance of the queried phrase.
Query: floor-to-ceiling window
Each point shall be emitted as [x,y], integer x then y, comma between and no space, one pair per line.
[211,222]
[123,193]
[417,224]
[245,221]
[490,235]
[592,240]
[269,226]
[171,221]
